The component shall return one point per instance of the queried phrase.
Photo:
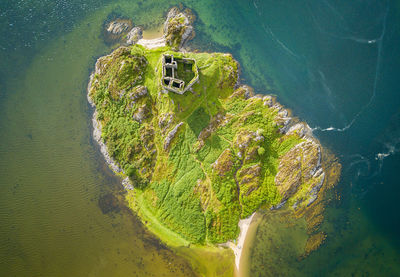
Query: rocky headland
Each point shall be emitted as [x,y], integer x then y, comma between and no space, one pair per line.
[197,166]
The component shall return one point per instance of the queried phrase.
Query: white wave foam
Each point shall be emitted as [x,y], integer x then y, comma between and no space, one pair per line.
[376,78]
[391,149]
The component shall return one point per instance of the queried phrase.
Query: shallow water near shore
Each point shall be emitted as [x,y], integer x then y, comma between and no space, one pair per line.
[53,178]
[334,64]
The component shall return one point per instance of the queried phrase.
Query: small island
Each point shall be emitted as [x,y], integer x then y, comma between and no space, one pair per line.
[200,153]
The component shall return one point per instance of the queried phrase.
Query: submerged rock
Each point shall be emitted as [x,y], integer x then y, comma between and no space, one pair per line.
[108,203]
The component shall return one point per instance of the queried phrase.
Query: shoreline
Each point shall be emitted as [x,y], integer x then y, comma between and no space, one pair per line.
[288,124]
[152,43]
[237,248]
[103,147]
[153,33]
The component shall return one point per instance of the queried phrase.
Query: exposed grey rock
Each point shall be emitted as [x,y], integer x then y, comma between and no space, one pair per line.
[117,27]
[280,205]
[177,27]
[116,30]
[134,35]
[165,120]
[283,113]
[138,92]
[268,101]
[282,118]
[298,166]
[248,93]
[313,193]
[301,129]
[103,148]
[141,114]
[89,88]
[171,135]
[173,12]
[186,34]
[102,62]
[247,138]
[127,184]
[243,91]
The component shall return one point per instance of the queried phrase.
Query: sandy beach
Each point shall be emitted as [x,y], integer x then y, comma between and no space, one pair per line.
[237,248]
[152,43]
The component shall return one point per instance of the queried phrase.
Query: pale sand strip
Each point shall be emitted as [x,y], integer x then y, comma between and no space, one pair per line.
[152,43]
[237,248]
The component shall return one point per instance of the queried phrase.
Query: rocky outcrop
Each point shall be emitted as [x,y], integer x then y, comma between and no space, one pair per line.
[134,35]
[224,163]
[171,135]
[103,148]
[268,100]
[282,117]
[300,166]
[118,26]
[300,174]
[138,92]
[243,91]
[233,152]
[244,139]
[247,143]
[177,31]
[301,129]
[115,30]
[178,27]
[165,121]
[125,70]
[248,178]
[141,114]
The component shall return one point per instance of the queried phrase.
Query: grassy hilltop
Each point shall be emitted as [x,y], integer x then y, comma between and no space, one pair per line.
[201,161]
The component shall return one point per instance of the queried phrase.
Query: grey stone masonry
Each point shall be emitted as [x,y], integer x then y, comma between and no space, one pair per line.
[170,79]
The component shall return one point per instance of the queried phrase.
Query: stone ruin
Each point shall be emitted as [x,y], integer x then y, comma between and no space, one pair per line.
[178,74]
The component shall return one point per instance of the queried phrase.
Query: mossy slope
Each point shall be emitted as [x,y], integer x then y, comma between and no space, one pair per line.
[201,161]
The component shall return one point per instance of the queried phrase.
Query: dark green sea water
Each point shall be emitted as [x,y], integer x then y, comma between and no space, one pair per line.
[336,64]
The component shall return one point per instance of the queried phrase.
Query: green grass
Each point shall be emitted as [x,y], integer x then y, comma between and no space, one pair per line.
[185,72]
[137,203]
[182,194]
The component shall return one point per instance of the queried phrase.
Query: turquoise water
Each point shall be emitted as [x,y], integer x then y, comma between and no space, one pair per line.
[334,63]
